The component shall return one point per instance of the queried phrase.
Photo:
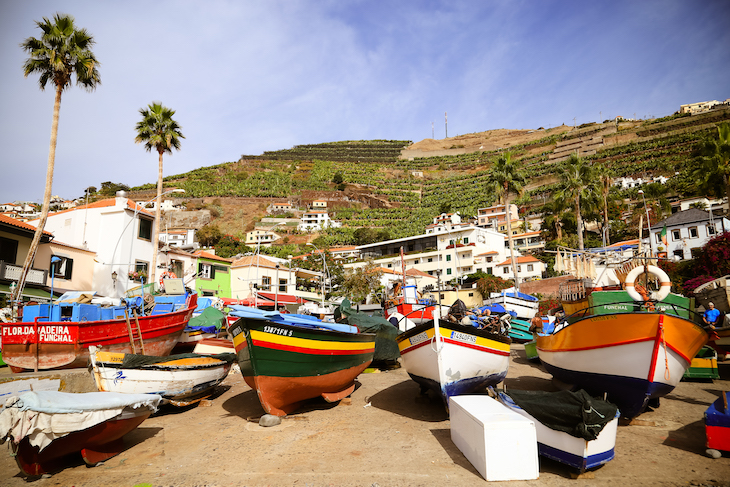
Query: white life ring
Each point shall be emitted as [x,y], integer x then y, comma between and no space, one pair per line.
[166,275]
[664,283]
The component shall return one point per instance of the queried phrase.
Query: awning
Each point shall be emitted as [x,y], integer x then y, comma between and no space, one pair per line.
[282,298]
[28,292]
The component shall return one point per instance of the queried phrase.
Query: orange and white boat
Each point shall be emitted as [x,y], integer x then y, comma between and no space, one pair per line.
[617,343]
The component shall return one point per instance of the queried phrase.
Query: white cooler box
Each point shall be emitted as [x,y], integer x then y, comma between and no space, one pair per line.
[500,443]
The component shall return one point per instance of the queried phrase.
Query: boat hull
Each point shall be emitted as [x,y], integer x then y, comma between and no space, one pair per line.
[180,382]
[576,452]
[417,313]
[65,344]
[287,365]
[96,444]
[633,357]
[524,308]
[467,359]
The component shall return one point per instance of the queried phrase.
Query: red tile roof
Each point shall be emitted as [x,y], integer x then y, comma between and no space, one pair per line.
[207,255]
[525,259]
[17,223]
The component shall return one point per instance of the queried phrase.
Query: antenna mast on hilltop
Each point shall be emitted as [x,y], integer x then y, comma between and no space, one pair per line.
[446,124]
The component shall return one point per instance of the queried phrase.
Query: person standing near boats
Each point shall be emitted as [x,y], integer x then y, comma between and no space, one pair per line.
[711,315]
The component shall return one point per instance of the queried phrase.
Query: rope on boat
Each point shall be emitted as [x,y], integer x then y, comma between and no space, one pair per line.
[664,344]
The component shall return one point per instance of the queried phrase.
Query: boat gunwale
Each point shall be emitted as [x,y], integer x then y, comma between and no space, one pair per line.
[458,327]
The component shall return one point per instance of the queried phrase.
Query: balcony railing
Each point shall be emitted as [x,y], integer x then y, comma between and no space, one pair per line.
[11,272]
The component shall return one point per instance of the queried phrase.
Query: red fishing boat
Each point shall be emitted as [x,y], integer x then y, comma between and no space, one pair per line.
[58,336]
[47,428]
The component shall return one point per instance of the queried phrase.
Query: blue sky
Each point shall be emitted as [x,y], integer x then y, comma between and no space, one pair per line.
[249,76]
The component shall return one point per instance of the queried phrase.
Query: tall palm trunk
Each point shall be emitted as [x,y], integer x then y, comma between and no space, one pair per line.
[579,221]
[46,200]
[156,236]
[509,239]
[605,218]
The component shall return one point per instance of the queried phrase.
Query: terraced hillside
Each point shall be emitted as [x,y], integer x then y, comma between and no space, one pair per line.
[417,188]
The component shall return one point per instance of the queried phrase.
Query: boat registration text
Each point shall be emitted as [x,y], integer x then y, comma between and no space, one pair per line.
[278,331]
[463,337]
[415,339]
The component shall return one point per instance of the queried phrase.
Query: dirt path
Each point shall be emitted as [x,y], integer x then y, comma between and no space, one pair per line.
[384,435]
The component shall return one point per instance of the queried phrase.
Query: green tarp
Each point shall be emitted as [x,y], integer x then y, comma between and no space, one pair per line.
[575,413]
[132,361]
[210,320]
[386,348]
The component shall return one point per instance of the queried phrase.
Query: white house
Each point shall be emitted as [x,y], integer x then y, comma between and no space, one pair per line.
[183,237]
[261,237]
[120,233]
[271,278]
[452,253]
[315,220]
[490,217]
[528,268]
[686,230]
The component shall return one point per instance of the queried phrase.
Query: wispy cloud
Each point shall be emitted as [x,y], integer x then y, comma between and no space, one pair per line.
[245,77]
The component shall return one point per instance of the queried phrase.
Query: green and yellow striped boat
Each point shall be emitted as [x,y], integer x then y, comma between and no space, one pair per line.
[287,364]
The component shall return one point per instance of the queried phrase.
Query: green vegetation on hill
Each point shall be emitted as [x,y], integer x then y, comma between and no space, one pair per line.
[418,189]
[345,151]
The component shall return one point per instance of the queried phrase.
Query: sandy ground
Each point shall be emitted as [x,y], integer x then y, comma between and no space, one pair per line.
[385,434]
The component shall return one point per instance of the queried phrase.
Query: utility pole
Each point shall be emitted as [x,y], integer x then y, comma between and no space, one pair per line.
[446,123]
[432,134]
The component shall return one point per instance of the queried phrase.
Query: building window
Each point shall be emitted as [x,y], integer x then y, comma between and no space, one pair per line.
[8,250]
[505,270]
[693,233]
[145,229]
[519,268]
[489,259]
[390,266]
[140,271]
[430,273]
[710,230]
[416,262]
[265,283]
[679,253]
[489,270]
[430,259]
[205,271]
[530,267]
[282,285]
[466,240]
[448,271]
[676,235]
[448,258]
[63,268]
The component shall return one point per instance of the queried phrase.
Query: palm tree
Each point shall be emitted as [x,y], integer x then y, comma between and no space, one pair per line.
[507,177]
[62,51]
[605,180]
[714,157]
[160,132]
[578,184]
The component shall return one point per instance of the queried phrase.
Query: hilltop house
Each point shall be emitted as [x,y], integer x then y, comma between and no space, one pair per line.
[492,216]
[315,220]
